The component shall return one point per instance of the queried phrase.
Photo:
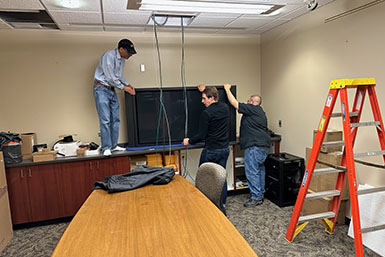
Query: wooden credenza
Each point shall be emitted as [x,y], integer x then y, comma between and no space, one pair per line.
[55,190]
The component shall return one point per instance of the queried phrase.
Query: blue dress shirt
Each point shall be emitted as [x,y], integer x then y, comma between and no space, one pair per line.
[110,69]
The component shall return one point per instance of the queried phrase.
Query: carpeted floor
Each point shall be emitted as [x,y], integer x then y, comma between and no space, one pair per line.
[264,227]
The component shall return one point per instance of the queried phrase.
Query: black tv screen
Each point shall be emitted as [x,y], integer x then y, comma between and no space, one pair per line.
[144,112]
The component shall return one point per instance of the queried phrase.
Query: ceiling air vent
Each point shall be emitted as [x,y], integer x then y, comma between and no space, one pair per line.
[28,20]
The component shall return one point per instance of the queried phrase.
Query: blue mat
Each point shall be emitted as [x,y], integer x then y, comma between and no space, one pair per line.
[141,148]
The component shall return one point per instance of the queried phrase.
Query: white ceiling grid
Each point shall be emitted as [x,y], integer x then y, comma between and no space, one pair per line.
[112,15]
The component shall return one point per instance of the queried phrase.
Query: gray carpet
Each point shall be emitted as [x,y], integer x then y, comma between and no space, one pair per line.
[264,227]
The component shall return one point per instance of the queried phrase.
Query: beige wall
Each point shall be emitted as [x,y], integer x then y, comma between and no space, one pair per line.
[46,76]
[300,58]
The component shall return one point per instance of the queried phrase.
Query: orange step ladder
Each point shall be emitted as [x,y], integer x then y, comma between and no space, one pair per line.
[351,123]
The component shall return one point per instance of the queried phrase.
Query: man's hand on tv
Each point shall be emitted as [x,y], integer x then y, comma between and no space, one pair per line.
[201,87]
[129,89]
[227,86]
[185,141]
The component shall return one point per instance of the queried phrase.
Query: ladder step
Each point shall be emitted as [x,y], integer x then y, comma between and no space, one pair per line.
[325,171]
[322,194]
[368,154]
[365,124]
[333,143]
[339,114]
[374,228]
[317,216]
[371,190]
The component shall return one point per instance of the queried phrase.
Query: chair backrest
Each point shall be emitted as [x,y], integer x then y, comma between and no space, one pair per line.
[210,180]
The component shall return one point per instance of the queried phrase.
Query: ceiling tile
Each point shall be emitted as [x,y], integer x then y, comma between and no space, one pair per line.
[114,5]
[134,18]
[272,25]
[201,30]
[125,28]
[295,13]
[21,5]
[205,20]
[80,27]
[76,17]
[88,5]
[248,22]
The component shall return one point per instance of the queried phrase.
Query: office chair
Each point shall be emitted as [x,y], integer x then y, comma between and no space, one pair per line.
[210,180]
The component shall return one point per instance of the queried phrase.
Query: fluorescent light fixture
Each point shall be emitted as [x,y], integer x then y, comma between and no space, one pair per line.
[169,20]
[70,3]
[206,7]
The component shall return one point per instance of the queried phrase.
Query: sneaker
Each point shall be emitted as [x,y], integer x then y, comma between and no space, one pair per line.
[107,152]
[252,203]
[118,148]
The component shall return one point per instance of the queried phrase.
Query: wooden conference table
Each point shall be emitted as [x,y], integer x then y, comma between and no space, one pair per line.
[165,220]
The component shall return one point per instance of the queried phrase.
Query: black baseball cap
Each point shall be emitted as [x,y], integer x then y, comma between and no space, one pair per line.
[128,45]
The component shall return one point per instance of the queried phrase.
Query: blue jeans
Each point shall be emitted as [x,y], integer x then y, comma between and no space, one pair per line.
[218,156]
[107,105]
[255,170]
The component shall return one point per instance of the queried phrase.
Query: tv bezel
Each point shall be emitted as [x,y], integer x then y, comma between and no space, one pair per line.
[132,115]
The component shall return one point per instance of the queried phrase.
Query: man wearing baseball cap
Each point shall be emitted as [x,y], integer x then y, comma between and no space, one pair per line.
[108,76]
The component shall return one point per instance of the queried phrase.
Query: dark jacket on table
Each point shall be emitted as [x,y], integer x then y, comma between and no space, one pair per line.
[138,177]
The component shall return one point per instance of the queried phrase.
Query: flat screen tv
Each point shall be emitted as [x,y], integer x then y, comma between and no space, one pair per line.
[144,113]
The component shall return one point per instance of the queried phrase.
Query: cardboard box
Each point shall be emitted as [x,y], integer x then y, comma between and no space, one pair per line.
[137,160]
[28,140]
[5,214]
[169,159]
[330,136]
[327,181]
[45,155]
[154,160]
[323,205]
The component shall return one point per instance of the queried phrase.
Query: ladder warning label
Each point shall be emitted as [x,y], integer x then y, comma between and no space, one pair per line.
[329,100]
[321,124]
[304,178]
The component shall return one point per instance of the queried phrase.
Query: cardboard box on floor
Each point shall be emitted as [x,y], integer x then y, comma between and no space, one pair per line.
[323,205]
[327,181]
[28,140]
[330,136]
[5,214]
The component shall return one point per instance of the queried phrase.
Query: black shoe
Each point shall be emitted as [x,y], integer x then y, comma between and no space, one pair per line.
[252,203]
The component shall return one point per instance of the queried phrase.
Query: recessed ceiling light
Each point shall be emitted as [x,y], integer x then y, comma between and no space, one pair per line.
[70,3]
[208,7]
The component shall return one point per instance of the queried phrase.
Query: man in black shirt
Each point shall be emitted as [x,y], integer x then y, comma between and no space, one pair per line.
[255,140]
[213,128]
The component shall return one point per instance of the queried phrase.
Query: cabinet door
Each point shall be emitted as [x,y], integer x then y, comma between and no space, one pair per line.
[121,165]
[100,168]
[75,183]
[45,194]
[18,195]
